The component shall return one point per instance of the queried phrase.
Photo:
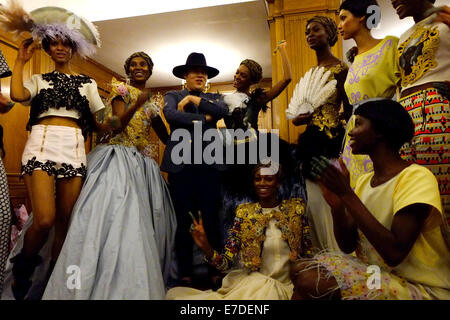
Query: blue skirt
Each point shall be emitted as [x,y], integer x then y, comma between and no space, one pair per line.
[121,234]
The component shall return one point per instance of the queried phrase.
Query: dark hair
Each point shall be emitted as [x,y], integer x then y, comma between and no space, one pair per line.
[260,165]
[142,55]
[358,7]
[315,142]
[255,70]
[390,119]
[47,40]
[330,27]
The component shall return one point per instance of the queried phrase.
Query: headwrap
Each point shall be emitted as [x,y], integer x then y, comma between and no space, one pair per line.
[53,23]
[142,55]
[389,118]
[330,27]
[255,70]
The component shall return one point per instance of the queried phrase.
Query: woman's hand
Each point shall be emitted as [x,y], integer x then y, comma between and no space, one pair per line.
[335,180]
[302,119]
[281,45]
[26,50]
[199,235]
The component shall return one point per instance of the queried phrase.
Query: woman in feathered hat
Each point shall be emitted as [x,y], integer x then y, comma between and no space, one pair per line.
[63,105]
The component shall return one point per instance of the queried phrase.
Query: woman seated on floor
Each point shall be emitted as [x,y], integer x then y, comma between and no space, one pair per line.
[265,237]
[392,220]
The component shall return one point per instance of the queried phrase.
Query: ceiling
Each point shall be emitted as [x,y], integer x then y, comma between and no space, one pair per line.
[226,31]
[390,24]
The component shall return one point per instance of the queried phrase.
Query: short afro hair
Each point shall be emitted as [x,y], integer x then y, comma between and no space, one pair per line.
[389,119]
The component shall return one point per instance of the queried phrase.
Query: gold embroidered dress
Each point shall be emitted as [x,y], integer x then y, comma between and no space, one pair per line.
[264,241]
[137,132]
[327,117]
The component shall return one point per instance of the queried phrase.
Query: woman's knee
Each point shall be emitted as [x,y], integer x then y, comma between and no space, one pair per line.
[44,222]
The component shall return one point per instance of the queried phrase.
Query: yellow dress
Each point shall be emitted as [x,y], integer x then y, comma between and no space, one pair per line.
[373,74]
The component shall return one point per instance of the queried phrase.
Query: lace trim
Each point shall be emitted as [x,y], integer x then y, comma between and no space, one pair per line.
[66,171]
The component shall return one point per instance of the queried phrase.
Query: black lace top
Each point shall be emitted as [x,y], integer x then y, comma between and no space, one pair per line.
[64,91]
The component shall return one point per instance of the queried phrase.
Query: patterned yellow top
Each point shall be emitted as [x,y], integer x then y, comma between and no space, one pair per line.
[248,234]
[326,117]
[137,132]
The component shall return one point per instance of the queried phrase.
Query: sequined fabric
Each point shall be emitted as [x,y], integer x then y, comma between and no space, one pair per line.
[327,117]
[137,132]
[247,234]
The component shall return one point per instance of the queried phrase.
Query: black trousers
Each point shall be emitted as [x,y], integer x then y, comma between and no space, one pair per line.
[196,187]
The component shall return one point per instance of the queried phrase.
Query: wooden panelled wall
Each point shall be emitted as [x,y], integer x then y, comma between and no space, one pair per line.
[287,20]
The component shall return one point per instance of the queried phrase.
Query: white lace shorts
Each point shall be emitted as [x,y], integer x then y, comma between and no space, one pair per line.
[57,150]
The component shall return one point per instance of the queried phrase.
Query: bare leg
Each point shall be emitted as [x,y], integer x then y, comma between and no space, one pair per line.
[312,284]
[67,192]
[41,188]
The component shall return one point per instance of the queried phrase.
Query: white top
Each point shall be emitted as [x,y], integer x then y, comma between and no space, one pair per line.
[89,90]
[424,54]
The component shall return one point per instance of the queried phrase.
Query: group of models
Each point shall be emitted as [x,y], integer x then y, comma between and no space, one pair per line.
[112,220]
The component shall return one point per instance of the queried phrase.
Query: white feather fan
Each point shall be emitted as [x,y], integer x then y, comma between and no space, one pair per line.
[311,92]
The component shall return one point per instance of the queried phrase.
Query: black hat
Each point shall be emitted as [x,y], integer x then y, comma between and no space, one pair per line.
[195,59]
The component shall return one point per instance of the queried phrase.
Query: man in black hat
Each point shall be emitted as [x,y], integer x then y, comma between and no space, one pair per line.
[194,185]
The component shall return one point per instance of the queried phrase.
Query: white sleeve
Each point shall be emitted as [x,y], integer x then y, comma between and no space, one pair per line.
[32,86]
[95,102]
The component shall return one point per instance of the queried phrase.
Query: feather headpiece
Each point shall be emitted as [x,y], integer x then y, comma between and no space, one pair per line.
[51,22]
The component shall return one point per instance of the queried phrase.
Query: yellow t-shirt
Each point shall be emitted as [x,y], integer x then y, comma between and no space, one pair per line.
[428,262]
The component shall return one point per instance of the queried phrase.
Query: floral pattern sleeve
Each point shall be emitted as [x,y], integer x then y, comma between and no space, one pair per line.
[223,261]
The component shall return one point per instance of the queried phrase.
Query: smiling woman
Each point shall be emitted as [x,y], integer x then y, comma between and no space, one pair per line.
[264,238]
[125,197]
